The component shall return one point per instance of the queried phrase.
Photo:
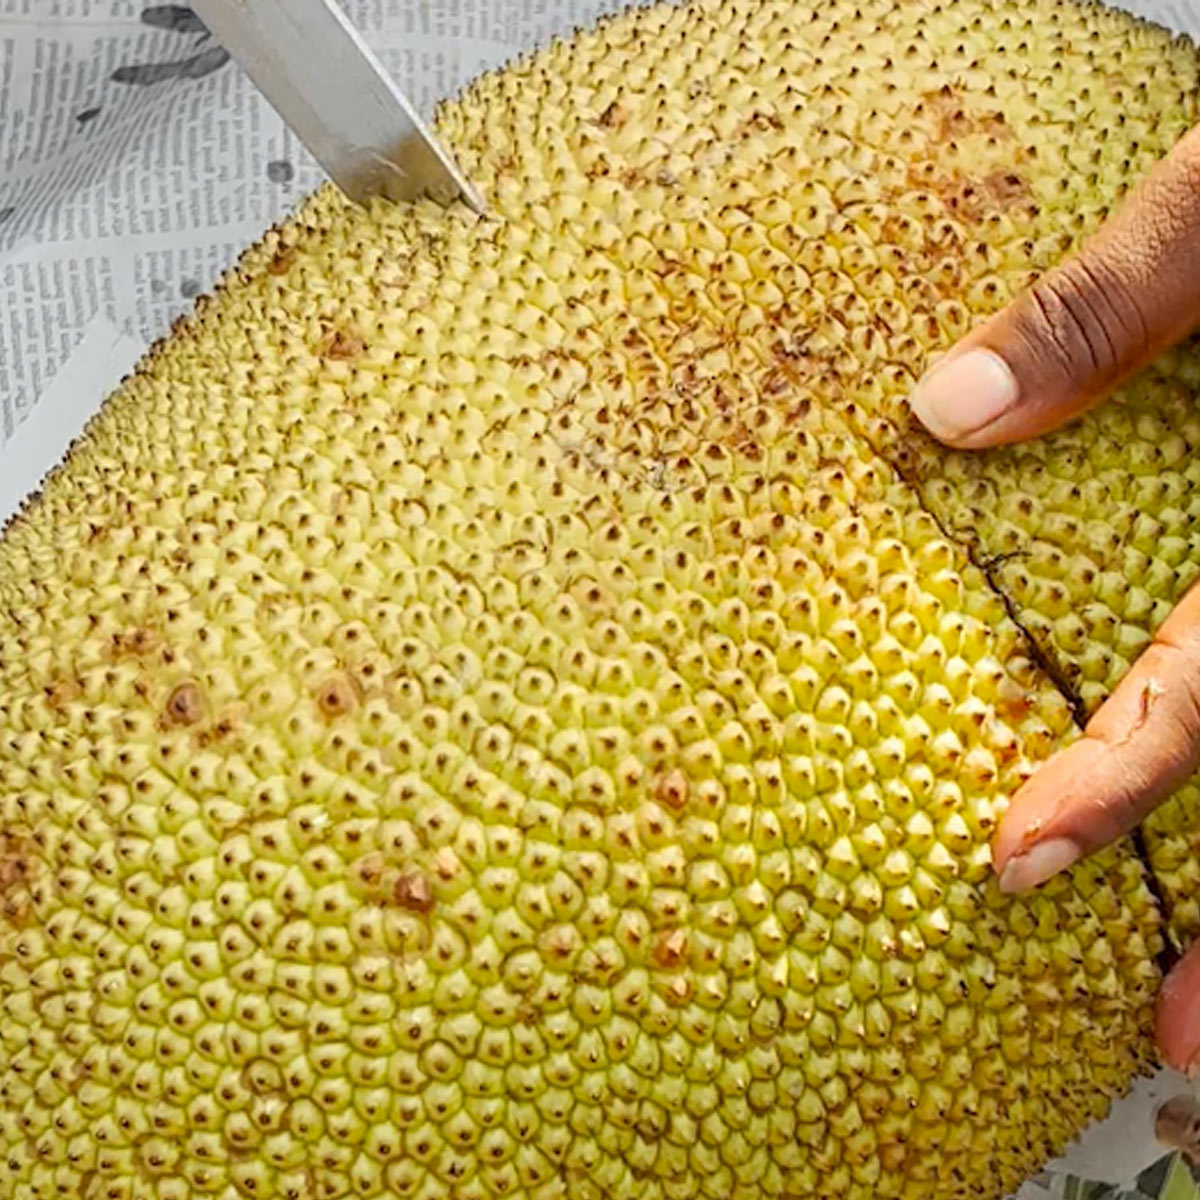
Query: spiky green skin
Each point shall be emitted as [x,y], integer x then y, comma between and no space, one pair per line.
[511,707]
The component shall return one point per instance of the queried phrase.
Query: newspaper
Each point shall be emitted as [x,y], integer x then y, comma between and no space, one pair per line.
[137,161]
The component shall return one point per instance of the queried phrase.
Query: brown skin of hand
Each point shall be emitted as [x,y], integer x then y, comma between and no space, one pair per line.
[1131,292]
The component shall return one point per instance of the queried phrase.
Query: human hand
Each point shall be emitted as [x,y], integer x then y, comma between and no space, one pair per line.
[1058,350]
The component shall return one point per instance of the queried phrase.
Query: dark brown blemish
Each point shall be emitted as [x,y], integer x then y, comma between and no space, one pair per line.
[133,644]
[779,382]
[953,120]
[281,263]
[185,705]
[370,871]
[672,790]
[670,949]
[218,732]
[341,347]
[613,116]
[1004,187]
[971,199]
[337,696]
[760,122]
[14,874]
[412,891]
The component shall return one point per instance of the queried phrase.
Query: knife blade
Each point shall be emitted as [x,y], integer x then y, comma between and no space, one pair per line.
[318,73]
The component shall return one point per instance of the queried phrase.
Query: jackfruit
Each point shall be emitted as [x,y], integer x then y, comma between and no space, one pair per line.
[512,705]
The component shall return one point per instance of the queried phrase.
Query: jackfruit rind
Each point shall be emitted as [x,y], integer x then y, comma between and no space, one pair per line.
[488,710]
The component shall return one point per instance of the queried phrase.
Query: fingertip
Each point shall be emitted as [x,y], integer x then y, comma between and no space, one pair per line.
[1031,868]
[963,395]
[1043,810]
[1177,1016]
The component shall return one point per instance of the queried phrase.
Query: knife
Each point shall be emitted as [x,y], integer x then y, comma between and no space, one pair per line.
[316,71]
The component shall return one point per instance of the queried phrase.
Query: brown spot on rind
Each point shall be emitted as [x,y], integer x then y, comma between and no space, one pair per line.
[761,122]
[955,120]
[185,705]
[613,116]
[281,263]
[341,347]
[217,732]
[133,644]
[1013,702]
[412,891]
[1008,754]
[370,871]
[672,790]
[61,692]
[14,873]
[670,949]
[945,105]
[1003,187]
[337,696]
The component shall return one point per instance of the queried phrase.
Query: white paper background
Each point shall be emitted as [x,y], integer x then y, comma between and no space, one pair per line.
[121,199]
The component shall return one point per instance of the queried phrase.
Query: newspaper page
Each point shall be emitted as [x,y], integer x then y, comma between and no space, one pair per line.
[137,161]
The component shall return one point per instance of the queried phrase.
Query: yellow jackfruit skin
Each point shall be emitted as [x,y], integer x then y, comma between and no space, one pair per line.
[497,707]
[1093,535]
[1093,532]
[1171,838]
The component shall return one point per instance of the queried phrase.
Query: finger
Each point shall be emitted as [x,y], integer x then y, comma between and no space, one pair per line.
[1143,742]
[1178,1016]
[1059,348]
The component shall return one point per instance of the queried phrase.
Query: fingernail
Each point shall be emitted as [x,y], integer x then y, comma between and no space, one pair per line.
[964,393]
[1037,864]
[1191,1067]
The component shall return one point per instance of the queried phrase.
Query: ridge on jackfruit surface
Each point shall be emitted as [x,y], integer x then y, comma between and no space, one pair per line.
[509,707]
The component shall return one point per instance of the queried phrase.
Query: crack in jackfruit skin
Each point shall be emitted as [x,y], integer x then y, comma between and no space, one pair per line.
[1171,836]
[1091,532]
[1094,535]
[488,709]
